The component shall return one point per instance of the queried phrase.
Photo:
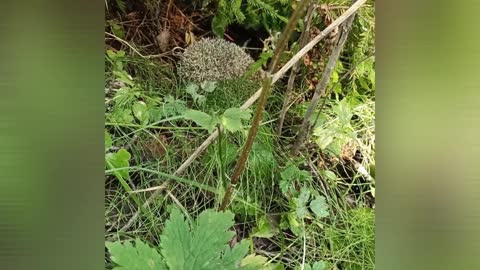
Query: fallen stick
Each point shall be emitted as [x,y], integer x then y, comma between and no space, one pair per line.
[247,104]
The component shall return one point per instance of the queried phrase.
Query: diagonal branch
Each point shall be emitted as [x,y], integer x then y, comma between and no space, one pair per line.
[322,85]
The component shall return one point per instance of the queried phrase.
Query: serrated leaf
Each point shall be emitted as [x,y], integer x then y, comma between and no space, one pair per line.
[175,240]
[200,118]
[319,207]
[108,140]
[200,247]
[138,257]
[119,160]
[253,260]
[320,265]
[232,118]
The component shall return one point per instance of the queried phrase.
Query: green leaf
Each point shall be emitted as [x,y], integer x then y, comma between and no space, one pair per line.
[254,261]
[290,174]
[232,118]
[208,86]
[200,247]
[264,228]
[119,160]
[191,89]
[329,175]
[140,111]
[175,240]
[108,140]
[301,203]
[319,207]
[320,265]
[138,257]
[202,119]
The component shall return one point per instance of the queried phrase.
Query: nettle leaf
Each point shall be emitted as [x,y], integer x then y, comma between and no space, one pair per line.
[319,207]
[140,111]
[202,119]
[119,160]
[232,118]
[138,257]
[205,245]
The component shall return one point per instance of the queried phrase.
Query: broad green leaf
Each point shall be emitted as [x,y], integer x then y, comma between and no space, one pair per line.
[119,160]
[175,240]
[232,258]
[138,257]
[140,111]
[108,140]
[232,118]
[319,207]
[210,233]
[199,248]
[200,118]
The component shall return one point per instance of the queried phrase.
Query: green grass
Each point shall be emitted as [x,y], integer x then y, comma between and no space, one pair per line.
[344,239]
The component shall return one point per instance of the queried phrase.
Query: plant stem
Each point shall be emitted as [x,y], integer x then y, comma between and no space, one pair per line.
[322,85]
[266,89]
[291,79]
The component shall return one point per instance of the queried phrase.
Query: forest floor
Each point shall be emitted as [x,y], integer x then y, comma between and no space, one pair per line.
[314,210]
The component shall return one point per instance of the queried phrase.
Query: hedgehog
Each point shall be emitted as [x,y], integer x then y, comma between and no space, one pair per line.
[213,59]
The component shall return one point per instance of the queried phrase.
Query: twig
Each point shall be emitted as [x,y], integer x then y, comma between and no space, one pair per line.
[294,70]
[322,85]
[267,85]
[247,104]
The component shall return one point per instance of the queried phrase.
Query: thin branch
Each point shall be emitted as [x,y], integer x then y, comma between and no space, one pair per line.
[294,70]
[246,105]
[322,85]
[267,85]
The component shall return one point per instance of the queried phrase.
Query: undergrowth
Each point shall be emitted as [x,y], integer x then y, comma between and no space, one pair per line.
[315,211]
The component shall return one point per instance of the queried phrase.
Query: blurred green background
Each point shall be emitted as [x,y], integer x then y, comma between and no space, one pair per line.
[51,135]
[51,139]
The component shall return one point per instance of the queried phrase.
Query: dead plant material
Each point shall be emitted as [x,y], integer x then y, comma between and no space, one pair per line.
[163,40]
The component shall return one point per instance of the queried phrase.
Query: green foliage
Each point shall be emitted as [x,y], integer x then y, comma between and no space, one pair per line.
[320,265]
[201,245]
[119,160]
[231,119]
[354,239]
[290,175]
[138,257]
[269,14]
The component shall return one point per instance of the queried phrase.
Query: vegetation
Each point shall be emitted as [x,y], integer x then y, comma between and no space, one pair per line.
[166,95]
